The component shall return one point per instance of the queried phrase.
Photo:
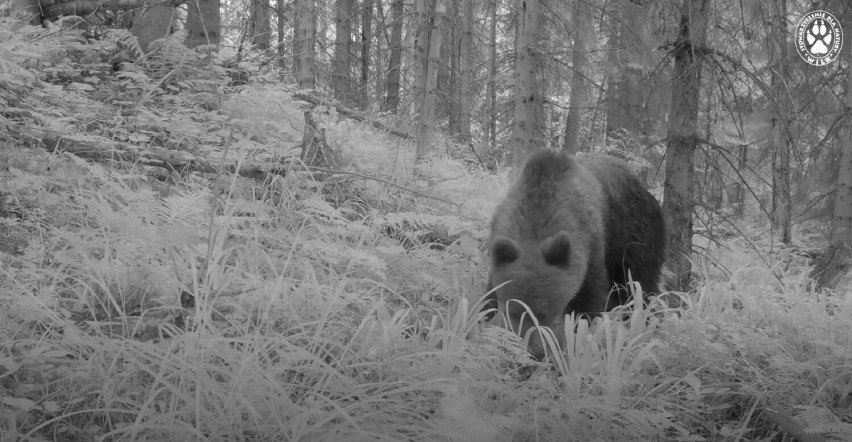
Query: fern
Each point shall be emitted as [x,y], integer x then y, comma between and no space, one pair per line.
[128,42]
[417,229]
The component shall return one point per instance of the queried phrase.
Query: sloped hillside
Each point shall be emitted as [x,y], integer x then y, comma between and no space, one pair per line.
[171,271]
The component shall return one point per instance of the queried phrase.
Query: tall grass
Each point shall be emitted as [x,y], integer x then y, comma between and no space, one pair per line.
[186,314]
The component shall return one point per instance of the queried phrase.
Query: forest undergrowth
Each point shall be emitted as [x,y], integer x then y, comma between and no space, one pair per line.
[137,304]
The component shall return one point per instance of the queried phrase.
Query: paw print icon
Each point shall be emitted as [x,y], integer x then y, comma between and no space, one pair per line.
[819,38]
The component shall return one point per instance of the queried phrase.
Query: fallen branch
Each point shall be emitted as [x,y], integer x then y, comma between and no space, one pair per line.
[381,180]
[94,147]
[317,100]
[85,7]
[98,148]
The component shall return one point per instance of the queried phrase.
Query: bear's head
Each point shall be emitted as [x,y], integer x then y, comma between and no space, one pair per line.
[544,275]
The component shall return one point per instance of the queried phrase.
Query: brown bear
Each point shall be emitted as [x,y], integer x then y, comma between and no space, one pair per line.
[568,231]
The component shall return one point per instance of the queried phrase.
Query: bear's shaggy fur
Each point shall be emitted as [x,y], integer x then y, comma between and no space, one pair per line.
[566,234]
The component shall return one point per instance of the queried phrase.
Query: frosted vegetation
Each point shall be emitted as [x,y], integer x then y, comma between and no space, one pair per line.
[215,307]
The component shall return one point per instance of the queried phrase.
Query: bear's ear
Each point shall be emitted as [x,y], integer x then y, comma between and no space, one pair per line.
[556,250]
[504,251]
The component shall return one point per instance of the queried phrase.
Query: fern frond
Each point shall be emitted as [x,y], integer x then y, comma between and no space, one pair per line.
[189,208]
[129,42]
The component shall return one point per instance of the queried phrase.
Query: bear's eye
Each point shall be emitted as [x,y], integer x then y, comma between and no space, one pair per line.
[556,250]
[504,251]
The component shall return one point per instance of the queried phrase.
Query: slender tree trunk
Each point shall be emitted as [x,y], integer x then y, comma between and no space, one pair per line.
[780,123]
[392,101]
[526,136]
[342,50]
[423,22]
[781,180]
[448,66]
[299,8]
[451,94]
[626,80]
[597,128]
[366,38]
[426,118]
[679,193]
[737,194]
[541,48]
[279,27]
[841,221]
[615,82]
[202,23]
[249,30]
[583,35]
[260,21]
[304,40]
[325,8]
[491,110]
[381,40]
[466,66]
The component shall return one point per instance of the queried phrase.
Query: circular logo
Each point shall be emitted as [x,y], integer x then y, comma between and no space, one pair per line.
[819,38]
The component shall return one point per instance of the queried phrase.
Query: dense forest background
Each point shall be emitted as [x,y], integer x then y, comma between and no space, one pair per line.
[267,221]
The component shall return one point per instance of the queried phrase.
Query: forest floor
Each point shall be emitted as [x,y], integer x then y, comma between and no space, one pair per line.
[143,300]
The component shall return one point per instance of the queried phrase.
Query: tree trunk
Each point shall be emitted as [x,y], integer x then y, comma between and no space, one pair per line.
[448,65]
[466,66]
[833,265]
[202,23]
[737,194]
[615,81]
[841,221]
[305,30]
[260,21]
[781,180]
[379,85]
[526,133]
[392,101]
[780,123]
[583,35]
[832,268]
[423,23]
[155,22]
[491,110]
[366,37]
[541,49]
[426,118]
[715,186]
[679,193]
[452,92]
[627,80]
[342,51]
[597,128]
[279,25]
